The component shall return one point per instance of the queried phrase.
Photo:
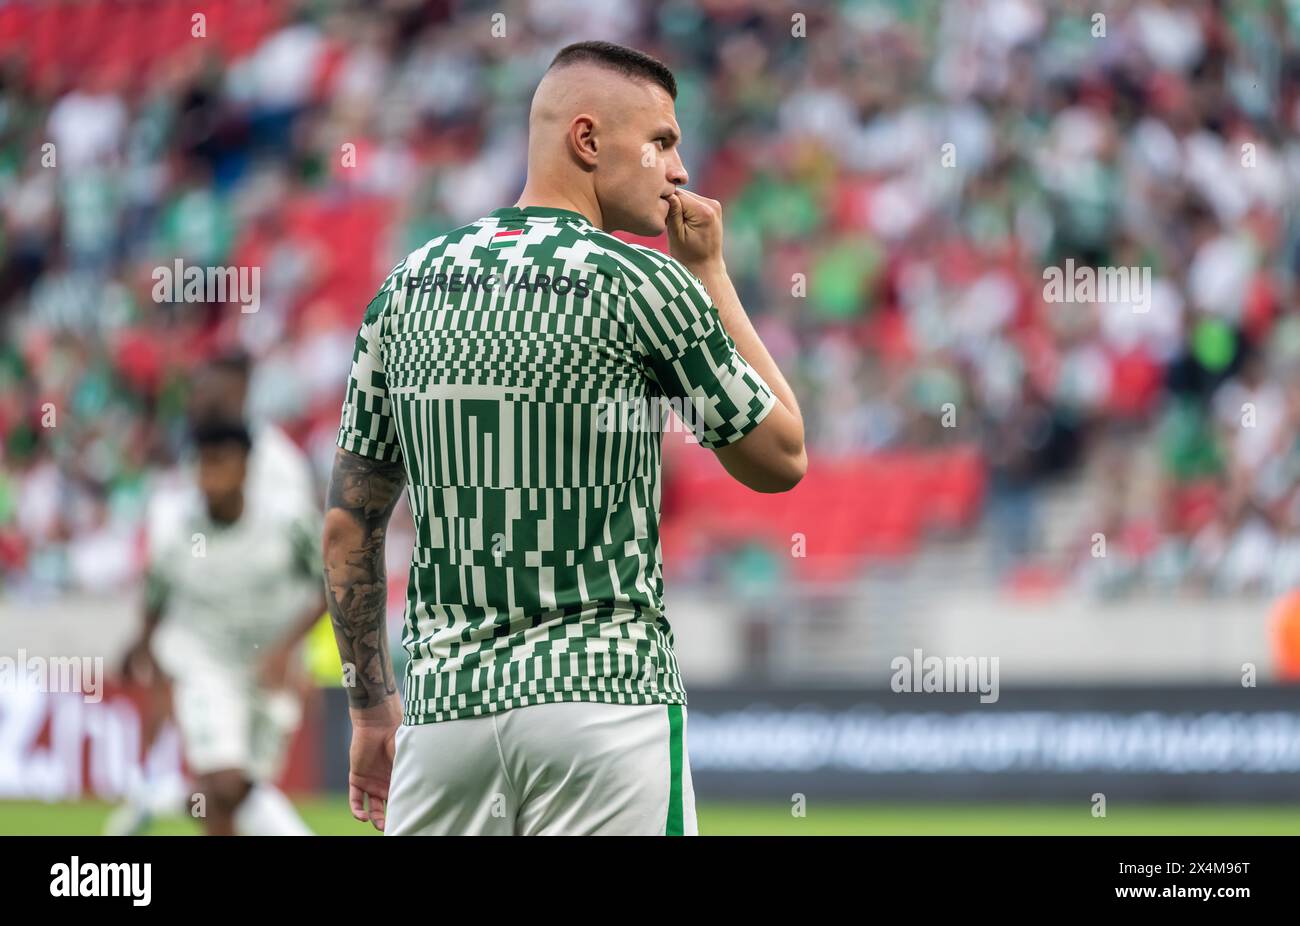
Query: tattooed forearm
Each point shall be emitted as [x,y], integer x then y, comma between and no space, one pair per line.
[362,494]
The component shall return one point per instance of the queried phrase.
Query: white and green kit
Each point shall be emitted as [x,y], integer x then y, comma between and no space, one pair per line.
[498,363]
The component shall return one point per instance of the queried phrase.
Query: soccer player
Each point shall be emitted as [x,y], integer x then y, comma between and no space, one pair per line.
[233,587]
[542,694]
[279,479]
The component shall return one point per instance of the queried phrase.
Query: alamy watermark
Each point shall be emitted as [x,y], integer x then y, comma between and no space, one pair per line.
[919,673]
[181,283]
[83,675]
[1116,285]
[75,878]
[634,414]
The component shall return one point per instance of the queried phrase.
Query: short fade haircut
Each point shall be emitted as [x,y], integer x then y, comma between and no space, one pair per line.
[627,61]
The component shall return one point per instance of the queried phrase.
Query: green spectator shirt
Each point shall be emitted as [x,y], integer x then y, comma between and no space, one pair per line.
[519,367]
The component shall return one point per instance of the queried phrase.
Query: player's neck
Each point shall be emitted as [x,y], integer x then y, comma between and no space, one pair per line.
[538,195]
[228,511]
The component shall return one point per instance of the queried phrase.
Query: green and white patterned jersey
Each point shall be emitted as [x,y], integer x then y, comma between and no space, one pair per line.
[518,367]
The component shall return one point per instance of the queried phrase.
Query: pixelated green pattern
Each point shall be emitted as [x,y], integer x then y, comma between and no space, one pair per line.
[536,574]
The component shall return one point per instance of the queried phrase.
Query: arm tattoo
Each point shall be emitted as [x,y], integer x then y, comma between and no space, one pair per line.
[356,588]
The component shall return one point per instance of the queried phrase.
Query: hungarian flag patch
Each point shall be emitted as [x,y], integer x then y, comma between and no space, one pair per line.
[504,238]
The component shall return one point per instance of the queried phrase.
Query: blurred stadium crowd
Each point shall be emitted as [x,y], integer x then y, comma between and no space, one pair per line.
[895,184]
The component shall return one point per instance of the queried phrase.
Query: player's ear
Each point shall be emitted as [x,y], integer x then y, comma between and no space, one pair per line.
[582,140]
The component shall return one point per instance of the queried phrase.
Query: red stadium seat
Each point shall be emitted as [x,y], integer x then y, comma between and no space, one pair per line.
[850,511]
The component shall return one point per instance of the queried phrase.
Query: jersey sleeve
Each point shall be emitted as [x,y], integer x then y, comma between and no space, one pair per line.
[304,537]
[689,355]
[157,586]
[367,427]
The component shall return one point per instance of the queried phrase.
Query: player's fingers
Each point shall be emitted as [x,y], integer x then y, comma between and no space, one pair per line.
[676,213]
[375,783]
[357,800]
[693,204]
[378,810]
[687,201]
[695,199]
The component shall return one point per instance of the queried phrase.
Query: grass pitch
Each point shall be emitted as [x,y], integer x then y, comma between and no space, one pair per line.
[329,816]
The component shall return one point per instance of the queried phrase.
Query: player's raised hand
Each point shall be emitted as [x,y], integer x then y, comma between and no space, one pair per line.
[370,761]
[694,229]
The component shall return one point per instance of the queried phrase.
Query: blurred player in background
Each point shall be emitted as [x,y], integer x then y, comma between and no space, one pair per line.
[278,481]
[542,695]
[233,589]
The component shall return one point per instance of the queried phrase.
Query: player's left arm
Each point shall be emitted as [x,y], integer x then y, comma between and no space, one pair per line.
[275,667]
[767,455]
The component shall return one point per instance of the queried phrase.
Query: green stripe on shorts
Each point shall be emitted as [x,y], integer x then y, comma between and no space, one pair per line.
[674,826]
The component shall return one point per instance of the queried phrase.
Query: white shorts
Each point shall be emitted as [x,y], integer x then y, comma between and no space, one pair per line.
[227,724]
[226,720]
[570,768]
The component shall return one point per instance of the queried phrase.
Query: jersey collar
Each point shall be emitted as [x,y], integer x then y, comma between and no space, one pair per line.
[514,213]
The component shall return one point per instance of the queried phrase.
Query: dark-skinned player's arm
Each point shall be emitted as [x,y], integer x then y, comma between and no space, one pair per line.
[273,670]
[138,663]
[771,457]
